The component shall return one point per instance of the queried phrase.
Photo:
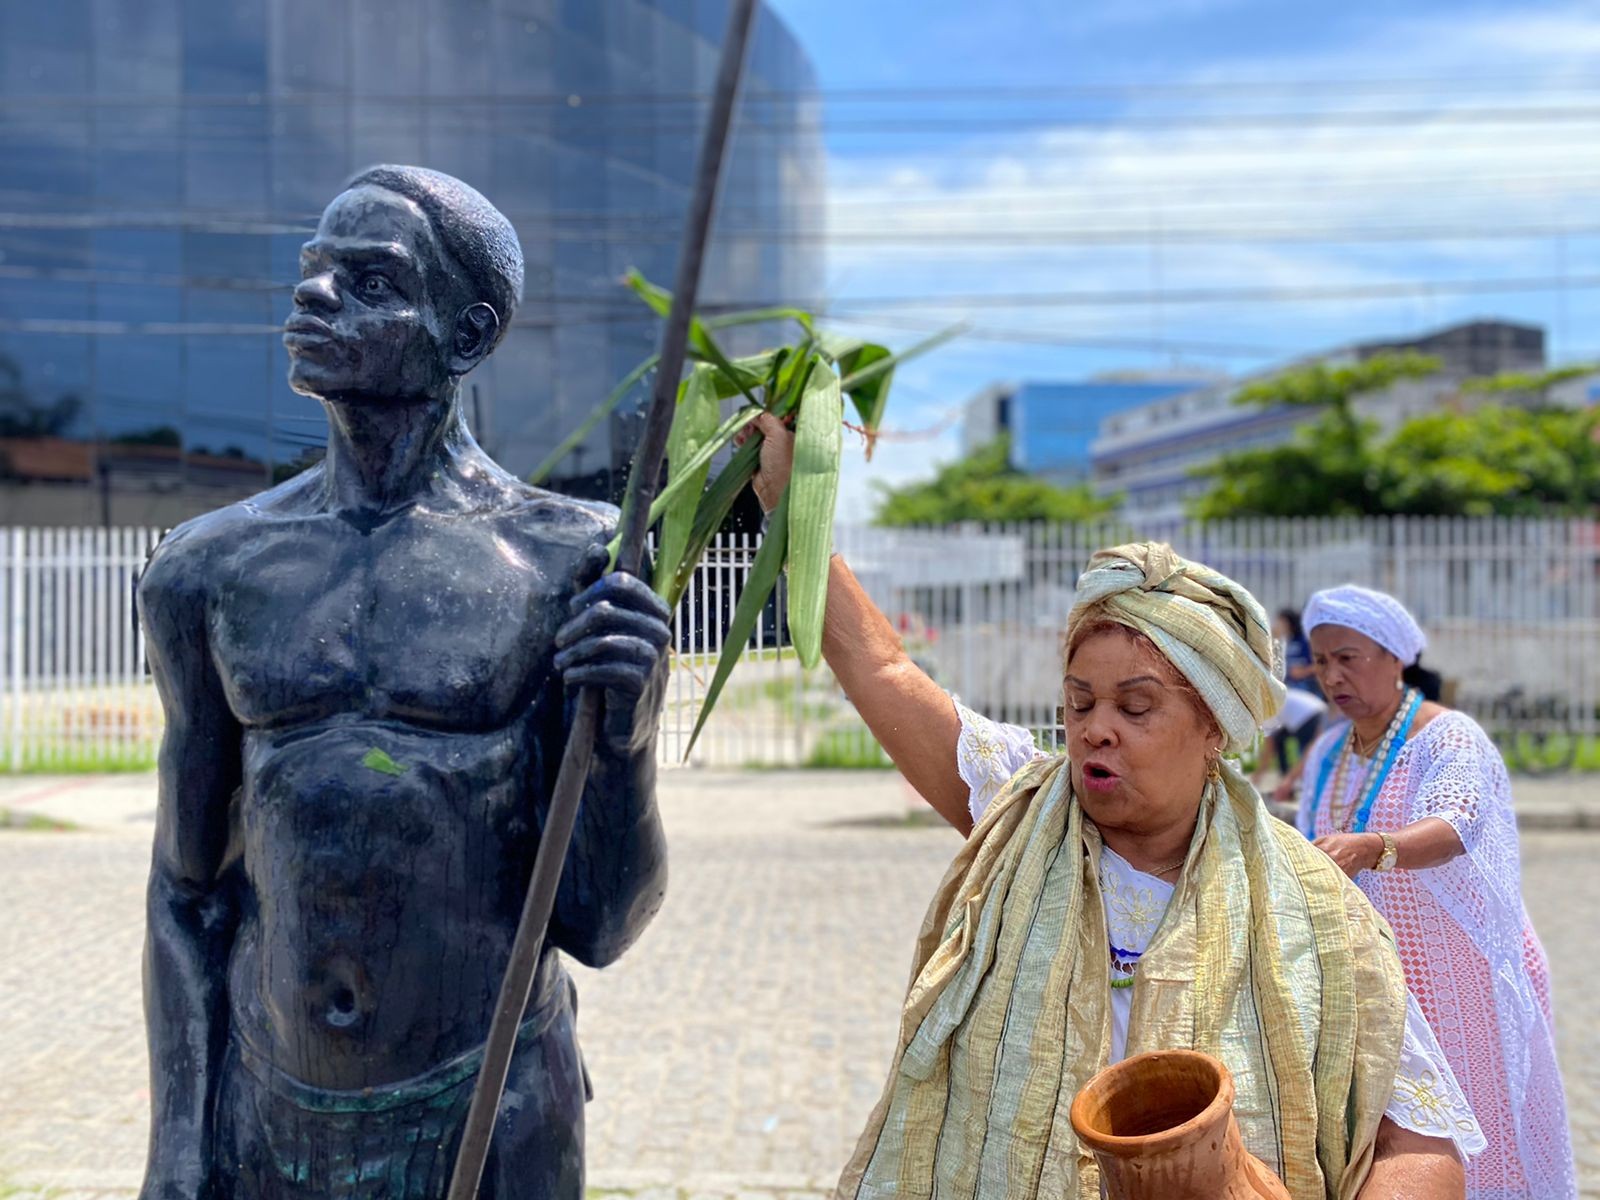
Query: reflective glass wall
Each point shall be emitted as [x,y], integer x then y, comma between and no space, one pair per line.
[161,161]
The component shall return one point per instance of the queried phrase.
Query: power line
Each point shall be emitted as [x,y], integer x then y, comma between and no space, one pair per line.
[859,307]
[964,93]
[601,234]
[1235,295]
[1031,337]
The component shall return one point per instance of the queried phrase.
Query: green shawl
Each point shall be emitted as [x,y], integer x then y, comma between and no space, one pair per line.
[1267,957]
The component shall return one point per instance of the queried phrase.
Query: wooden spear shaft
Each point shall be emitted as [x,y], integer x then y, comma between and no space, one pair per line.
[512,1001]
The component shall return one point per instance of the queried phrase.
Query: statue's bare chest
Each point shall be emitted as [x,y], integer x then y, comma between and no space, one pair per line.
[437,622]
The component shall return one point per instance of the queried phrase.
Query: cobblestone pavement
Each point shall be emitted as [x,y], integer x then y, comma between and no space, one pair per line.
[735,1051]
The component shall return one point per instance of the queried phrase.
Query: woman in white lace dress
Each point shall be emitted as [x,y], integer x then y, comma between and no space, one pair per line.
[1128,896]
[1413,801]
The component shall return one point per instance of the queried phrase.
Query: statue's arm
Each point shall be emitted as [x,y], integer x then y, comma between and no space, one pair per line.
[615,876]
[191,915]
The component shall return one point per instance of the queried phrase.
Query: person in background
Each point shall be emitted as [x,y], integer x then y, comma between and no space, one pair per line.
[1299,722]
[1413,802]
[1299,673]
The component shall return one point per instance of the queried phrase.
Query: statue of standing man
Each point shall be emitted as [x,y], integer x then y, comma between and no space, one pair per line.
[367,674]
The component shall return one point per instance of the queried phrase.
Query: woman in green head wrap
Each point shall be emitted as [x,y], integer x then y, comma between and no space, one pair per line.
[1130,895]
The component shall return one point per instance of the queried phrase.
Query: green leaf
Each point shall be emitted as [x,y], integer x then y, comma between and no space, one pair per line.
[838,347]
[812,492]
[869,370]
[702,458]
[377,760]
[758,586]
[715,505]
[871,394]
[790,384]
[601,412]
[658,298]
[700,341]
[760,316]
[694,424]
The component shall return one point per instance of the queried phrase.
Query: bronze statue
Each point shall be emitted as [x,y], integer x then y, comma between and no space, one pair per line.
[367,674]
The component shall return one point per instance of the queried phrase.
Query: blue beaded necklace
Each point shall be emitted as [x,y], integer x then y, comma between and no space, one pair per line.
[1341,752]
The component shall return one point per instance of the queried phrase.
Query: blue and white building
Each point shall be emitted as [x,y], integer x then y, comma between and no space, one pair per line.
[1148,454]
[1051,426]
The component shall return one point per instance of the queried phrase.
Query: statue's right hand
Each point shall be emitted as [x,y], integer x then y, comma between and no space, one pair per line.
[777,458]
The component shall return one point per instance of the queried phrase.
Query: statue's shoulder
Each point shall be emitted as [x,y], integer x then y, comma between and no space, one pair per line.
[178,576]
[185,557]
[552,517]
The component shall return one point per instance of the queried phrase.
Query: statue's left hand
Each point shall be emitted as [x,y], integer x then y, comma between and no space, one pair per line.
[617,639]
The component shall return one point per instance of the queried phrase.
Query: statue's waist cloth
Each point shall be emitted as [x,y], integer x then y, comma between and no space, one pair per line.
[279,1138]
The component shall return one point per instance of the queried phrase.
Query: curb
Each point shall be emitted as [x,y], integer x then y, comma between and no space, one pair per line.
[1577,816]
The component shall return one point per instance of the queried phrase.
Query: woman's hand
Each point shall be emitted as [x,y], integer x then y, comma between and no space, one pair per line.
[1413,1166]
[1353,852]
[777,458]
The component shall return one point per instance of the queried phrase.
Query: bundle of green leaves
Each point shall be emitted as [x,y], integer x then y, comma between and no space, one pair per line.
[804,384]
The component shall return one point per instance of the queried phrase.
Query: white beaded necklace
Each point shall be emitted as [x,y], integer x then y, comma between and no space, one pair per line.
[1341,820]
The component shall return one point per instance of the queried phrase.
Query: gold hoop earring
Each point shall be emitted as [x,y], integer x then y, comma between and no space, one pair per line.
[1214,766]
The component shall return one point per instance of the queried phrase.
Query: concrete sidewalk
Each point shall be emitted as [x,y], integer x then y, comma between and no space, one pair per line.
[127,803]
[735,1051]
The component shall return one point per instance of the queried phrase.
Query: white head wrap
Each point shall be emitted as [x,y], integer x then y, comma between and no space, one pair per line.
[1377,614]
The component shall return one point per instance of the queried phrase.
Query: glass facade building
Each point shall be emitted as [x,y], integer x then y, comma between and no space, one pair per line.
[162,161]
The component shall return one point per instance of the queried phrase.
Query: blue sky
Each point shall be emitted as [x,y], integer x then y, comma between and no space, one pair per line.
[1305,161]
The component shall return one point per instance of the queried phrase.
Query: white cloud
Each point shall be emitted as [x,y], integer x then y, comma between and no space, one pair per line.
[1199,184]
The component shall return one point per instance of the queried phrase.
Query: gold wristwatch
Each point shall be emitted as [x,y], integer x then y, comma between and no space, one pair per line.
[1391,852]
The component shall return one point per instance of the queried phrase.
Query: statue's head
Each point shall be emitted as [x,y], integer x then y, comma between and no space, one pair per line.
[409,282]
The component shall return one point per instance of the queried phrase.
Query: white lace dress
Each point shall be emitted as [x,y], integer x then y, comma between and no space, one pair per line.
[1426,1098]
[1470,954]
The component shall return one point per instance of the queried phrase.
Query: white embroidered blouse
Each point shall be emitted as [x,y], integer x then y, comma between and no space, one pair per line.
[1426,1098]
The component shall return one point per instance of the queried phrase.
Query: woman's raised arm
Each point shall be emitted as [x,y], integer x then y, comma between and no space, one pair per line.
[912,717]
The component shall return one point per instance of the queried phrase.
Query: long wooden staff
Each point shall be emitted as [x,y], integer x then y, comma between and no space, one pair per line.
[557,834]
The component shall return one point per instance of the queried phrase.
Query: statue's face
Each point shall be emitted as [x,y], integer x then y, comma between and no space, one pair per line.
[374,308]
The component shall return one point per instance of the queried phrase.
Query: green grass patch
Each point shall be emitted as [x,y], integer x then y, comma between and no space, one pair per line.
[32,823]
[77,761]
[16,1191]
[848,749]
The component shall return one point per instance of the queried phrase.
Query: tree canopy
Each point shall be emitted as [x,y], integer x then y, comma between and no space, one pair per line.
[1494,461]
[984,486]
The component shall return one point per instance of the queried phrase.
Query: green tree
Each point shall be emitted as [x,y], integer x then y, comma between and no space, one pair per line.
[1328,468]
[23,417]
[984,486]
[1321,385]
[1493,462]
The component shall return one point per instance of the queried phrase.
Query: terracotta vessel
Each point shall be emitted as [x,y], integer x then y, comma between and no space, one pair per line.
[1161,1126]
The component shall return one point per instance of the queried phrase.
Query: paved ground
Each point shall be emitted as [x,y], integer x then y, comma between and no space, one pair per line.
[735,1052]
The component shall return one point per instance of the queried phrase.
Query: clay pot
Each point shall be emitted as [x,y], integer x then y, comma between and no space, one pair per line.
[1161,1126]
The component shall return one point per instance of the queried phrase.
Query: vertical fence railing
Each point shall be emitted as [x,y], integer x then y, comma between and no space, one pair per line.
[75,693]
[1506,603]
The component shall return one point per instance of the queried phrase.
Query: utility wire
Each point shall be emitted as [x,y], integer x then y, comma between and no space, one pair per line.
[1454,85]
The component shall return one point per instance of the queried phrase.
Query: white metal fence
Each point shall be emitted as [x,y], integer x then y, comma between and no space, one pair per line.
[75,693]
[1506,603]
